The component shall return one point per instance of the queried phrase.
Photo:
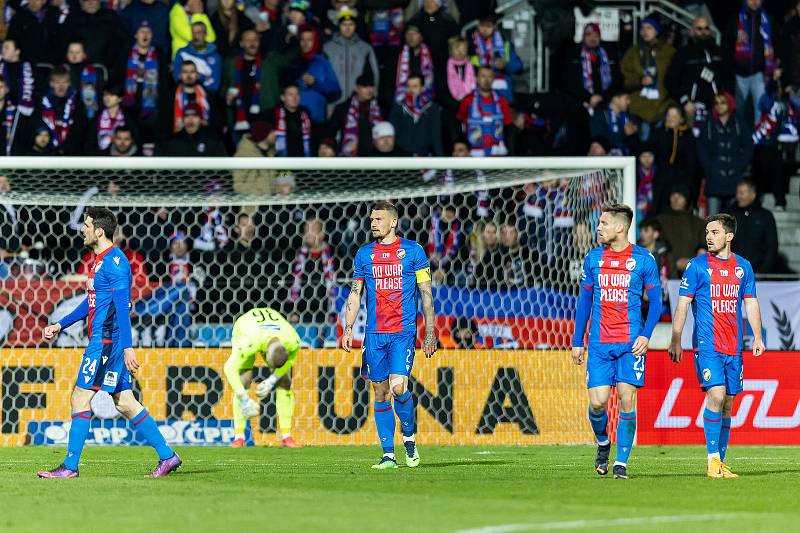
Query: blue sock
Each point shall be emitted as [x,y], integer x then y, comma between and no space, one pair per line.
[626,430]
[144,424]
[599,422]
[712,426]
[78,432]
[384,421]
[724,437]
[404,408]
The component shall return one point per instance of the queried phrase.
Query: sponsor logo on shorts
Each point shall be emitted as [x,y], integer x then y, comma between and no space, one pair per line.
[630,263]
[706,374]
[111,379]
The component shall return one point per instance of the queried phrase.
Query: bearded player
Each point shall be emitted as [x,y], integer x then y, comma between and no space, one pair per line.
[391,269]
[262,331]
[615,277]
[715,285]
[109,356]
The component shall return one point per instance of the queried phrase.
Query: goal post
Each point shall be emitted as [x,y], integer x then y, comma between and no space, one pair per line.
[210,238]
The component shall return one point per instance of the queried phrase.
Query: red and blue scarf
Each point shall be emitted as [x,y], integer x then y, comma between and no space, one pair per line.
[26,82]
[88,87]
[644,192]
[59,126]
[485,127]
[415,106]
[350,136]
[404,71]
[107,125]
[239,77]
[744,44]
[143,71]
[387,27]
[298,268]
[587,57]
[486,49]
[281,148]
[8,123]
[445,239]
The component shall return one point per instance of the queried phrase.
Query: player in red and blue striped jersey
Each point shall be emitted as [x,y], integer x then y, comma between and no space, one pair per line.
[109,357]
[615,278]
[390,270]
[716,284]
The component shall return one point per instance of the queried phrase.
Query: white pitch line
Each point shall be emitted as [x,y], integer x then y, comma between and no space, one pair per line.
[586,524]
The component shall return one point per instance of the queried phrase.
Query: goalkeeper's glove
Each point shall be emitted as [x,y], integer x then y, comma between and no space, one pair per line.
[248,406]
[266,386]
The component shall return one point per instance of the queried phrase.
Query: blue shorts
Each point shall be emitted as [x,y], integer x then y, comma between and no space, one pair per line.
[718,369]
[103,368]
[609,364]
[388,353]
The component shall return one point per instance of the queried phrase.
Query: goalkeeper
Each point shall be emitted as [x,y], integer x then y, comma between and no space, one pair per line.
[265,332]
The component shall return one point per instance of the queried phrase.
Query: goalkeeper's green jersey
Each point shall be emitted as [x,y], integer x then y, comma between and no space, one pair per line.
[254,330]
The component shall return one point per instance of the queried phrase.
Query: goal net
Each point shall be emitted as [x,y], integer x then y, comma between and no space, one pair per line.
[209,239]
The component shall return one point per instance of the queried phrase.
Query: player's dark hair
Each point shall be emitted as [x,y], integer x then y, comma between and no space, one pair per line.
[384,205]
[103,219]
[727,221]
[651,223]
[620,210]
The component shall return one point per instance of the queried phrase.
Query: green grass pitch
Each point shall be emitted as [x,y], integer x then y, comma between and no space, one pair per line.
[486,490]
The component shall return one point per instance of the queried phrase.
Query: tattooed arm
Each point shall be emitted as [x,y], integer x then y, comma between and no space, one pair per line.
[430,343]
[351,312]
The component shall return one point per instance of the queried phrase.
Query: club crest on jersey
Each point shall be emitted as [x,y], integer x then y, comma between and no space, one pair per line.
[630,263]
[401,253]
[739,272]
[706,374]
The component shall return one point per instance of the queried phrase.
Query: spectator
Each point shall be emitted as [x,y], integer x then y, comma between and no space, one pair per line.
[62,112]
[436,26]
[19,78]
[445,240]
[84,78]
[146,81]
[34,28]
[489,273]
[123,143]
[102,128]
[349,55]
[292,125]
[491,48]
[103,36]
[463,335]
[313,275]
[329,148]
[213,234]
[329,19]
[297,18]
[484,115]
[645,181]
[520,265]
[386,29]
[353,119]
[251,83]
[771,130]
[676,157]
[189,92]
[599,147]
[417,121]
[697,73]
[644,68]
[194,139]
[756,235]
[460,72]
[229,22]
[170,303]
[650,238]
[260,142]
[183,14]
[724,149]
[613,122]
[14,127]
[748,41]
[590,73]
[267,18]
[151,13]
[789,49]
[314,76]
[383,141]
[205,57]
[41,143]
[414,58]
[681,230]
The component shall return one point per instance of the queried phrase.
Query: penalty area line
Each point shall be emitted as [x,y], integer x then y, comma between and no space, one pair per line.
[611,522]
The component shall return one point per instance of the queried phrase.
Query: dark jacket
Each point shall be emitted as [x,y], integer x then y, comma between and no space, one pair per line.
[724,151]
[572,76]
[436,29]
[204,143]
[155,14]
[601,126]
[756,236]
[676,158]
[338,121]
[686,80]
[104,37]
[224,45]
[682,231]
[420,138]
[36,40]
[73,143]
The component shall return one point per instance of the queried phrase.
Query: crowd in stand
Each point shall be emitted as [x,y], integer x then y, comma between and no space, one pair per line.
[714,127]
